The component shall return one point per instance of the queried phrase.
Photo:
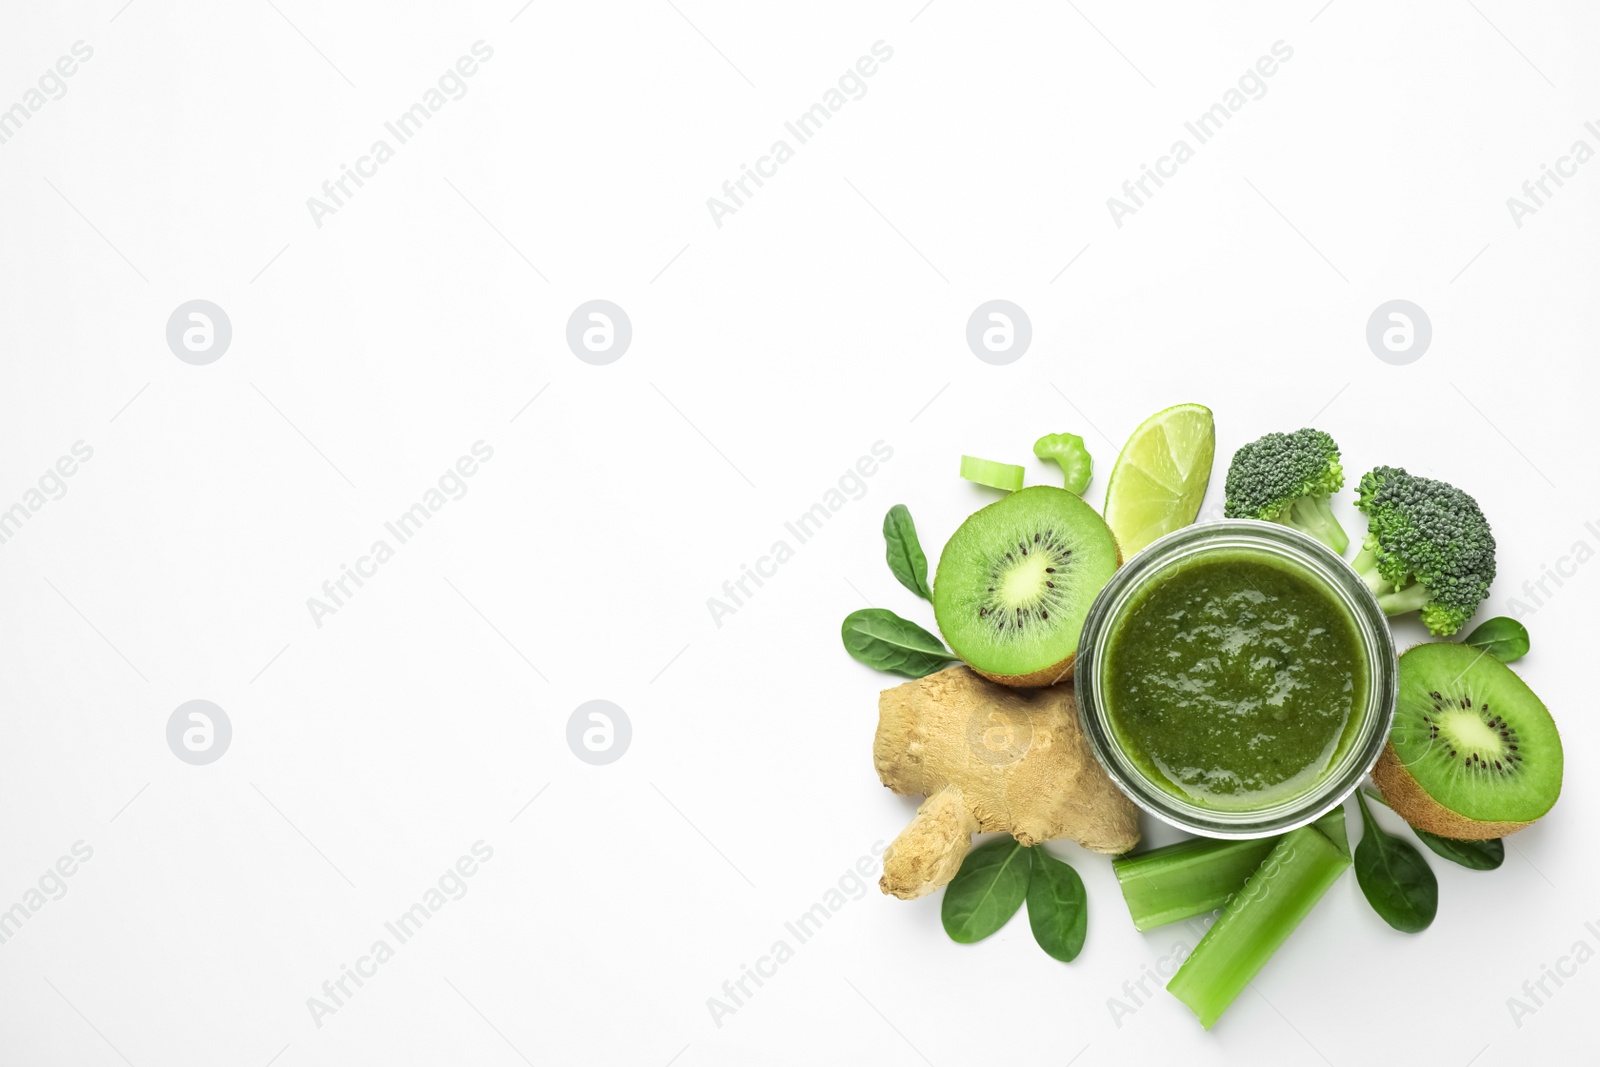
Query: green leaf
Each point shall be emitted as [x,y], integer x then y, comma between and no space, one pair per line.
[1396,880]
[906,560]
[1474,855]
[1503,638]
[1058,908]
[883,640]
[987,891]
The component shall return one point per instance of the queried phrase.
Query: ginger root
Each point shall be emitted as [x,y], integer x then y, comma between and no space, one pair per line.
[989,758]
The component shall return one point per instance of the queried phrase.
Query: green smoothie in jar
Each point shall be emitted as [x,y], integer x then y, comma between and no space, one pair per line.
[1235,681]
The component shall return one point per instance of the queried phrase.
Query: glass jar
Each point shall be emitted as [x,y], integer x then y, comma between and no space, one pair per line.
[1292,551]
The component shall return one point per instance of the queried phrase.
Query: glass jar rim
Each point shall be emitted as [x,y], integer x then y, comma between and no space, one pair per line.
[1153,564]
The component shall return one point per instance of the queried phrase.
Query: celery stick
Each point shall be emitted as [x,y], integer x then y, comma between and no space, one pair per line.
[1193,877]
[1334,829]
[995,475]
[1189,878]
[1288,884]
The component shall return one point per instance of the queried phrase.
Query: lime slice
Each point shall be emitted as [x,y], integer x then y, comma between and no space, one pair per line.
[1007,476]
[1160,477]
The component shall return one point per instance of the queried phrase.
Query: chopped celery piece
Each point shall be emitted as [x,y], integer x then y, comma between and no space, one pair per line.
[1282,892]
[1067,450]
[1334,829]
[1189,878]
[1007,476]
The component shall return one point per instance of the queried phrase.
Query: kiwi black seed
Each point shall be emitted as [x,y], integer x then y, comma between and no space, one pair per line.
[1046,592]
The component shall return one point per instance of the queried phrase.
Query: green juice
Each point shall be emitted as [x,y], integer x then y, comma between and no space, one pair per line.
[1236,681]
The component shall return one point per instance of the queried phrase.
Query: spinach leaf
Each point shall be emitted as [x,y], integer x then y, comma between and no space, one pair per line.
[906,560]
[1396,880]
[1474,855]
[884,640]
[1503,638]
[1058,909]
[987,891]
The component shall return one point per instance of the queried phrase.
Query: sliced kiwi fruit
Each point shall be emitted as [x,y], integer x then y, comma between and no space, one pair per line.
[1016,580]
[1473,753]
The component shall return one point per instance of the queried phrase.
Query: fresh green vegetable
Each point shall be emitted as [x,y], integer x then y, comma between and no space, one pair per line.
[883,640]
[1190,878]
[1473,855]
[904,551]
[1332,826]
[1428,548]
[993,882]
[1058,910]
[987,891]
[1394,877]
[1503,638]
[1067,450]
[1257,920]
[1289,478]
[1007,476]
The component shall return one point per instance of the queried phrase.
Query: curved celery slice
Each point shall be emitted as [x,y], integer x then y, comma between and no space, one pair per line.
[1259,918]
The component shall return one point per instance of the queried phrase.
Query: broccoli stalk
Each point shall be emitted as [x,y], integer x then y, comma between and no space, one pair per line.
[1314,515]
[1289,478]
[1428,548]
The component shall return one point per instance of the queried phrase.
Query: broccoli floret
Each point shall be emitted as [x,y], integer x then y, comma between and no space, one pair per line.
[1287,478]
[1428,548]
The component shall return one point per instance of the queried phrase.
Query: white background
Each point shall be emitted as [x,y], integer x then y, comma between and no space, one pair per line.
[768,354]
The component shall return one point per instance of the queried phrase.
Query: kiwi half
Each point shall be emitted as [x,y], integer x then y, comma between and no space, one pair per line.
[1016,580]
[1473,753]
